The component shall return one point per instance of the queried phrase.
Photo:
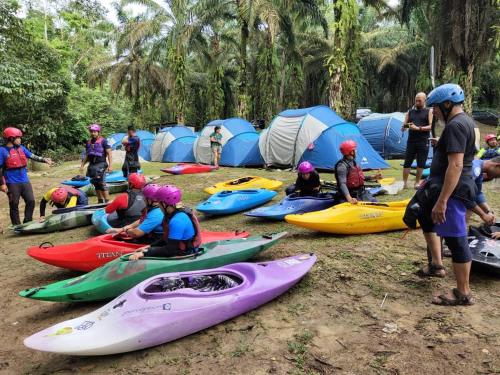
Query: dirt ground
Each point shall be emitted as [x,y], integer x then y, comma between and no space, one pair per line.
[332,322]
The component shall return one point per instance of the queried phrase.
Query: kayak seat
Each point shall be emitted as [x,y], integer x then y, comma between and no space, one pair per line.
[241,181]
[198,283]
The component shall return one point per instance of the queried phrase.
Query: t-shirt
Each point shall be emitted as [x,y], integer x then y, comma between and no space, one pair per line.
[458,137]
[180,227]
[17,175]
[306,187]
[119,203]
[152,222]
[419,117]
[218,138]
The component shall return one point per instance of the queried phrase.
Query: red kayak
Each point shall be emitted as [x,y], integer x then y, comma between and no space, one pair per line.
[185,168]
[94,252]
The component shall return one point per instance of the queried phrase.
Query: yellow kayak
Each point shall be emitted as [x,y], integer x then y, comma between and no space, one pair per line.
[243,183]
[387,181]
[347,218]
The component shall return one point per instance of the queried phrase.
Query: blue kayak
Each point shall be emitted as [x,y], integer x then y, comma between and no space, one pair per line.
[230,202]
[294,204]
[115,176]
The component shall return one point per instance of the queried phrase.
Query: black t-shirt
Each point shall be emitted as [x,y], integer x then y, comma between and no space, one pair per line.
[419,117]
[458,137]
[306,187]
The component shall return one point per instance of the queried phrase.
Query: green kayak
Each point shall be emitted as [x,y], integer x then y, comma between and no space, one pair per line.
[113,187]
[120,275]
[57,222]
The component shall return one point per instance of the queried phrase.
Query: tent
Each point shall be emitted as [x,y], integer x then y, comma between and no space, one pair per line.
[147,139]
[383,132]
[240,143]
[174,145]
[313,134]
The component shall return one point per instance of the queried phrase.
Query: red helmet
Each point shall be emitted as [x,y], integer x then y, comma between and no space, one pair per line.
[59,195]
[12,133]
[489,137]
[347,147]
[136,180]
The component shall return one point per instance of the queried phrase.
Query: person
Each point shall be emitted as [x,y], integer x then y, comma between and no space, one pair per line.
[149,225]
[127,207]
[97,150]
[308,182]
[350,177]
[132,144]
[181,229]
[418,122]
[14,179]
[62,197]
[484,169]
[449,191]
[216,145]
[491,150]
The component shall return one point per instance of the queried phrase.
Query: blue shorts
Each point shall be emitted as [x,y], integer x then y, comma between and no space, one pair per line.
[455,224]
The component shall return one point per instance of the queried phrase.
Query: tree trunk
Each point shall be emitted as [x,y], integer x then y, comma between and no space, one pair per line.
[469,84]
[281,101]
[242,77]
[335,91]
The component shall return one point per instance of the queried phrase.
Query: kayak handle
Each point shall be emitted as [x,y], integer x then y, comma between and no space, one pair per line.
[374,204]
[33,291]
[46,243]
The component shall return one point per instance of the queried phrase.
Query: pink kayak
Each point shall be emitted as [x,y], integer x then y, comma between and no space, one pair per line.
[169,306]
[185,168]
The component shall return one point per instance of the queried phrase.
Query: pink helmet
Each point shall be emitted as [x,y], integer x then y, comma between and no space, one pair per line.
[305,167]
[489,137]
[94,128]
[150,190]
[169,194]
[12,133]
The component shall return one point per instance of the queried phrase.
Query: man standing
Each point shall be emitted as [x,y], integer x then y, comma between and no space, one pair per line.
[216,145]
[97,150]
[14,174]
[131,143]
[418,121]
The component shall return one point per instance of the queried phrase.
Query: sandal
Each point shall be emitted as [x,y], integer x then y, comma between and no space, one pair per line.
[432,270]
[459,299]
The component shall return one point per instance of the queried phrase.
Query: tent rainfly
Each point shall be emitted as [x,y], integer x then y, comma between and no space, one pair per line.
[174,145]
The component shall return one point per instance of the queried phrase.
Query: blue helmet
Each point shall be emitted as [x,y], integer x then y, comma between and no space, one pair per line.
[447,92]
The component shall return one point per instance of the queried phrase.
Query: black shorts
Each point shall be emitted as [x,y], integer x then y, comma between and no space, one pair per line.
[97,173]
[418,151]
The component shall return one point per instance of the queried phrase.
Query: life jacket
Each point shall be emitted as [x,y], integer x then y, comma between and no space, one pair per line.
[71,193]
[135,207]
[95,149]
[192,243]
[16,159]
[490,153]
[355,176]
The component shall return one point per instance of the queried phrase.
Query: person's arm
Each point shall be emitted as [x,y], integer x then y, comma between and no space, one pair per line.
[36,158]
[135,232]
[487,217]
[428,127]
[342,176]
[212,139]
[119,203]
[43,205]
[109,155]
[495,235]
[405,121]
[484,206]
[3,183]
[84,161]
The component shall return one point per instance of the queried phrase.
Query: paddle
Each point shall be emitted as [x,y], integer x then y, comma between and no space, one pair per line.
[79,208]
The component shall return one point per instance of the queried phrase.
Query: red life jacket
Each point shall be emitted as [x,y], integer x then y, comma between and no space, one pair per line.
[355,177]
[72,190]
[16,159]
[193,242]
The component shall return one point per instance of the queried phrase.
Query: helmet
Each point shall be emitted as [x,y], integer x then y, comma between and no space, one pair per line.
[136,180]
[305,167]
[347,147]
[150,190]
[94,128]
[489,137]
[59,195]
[12,133]
[447,92]
[169,194]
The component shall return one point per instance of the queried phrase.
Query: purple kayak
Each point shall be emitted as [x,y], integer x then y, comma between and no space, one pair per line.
[173,305]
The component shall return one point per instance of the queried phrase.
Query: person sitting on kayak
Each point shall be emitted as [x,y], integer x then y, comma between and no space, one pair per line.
[491,150]
[146,228]
[350,177]
[484,170]
[62,197]
[127,207]
[181,229]
[307,183]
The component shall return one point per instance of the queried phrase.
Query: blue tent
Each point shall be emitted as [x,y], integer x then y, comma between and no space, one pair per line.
[147,139]
[115,140]
[383,132]
[174,145]
[240,143]
[313,134]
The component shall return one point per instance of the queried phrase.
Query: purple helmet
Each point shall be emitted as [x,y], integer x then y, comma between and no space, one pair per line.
[150,190]
[169,194]
[94,128]
[305,167]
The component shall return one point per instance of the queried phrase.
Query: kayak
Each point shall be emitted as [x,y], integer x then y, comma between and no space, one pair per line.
[360,218]
[113,188]
[100,221]
[57,222]
[169,306]
[96,252]
[294,204]
[485,250]
[115,176]
[249,182]
[120,275]
[230,202]
[186,168]
[425,173]
[386,181]
[93,207]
